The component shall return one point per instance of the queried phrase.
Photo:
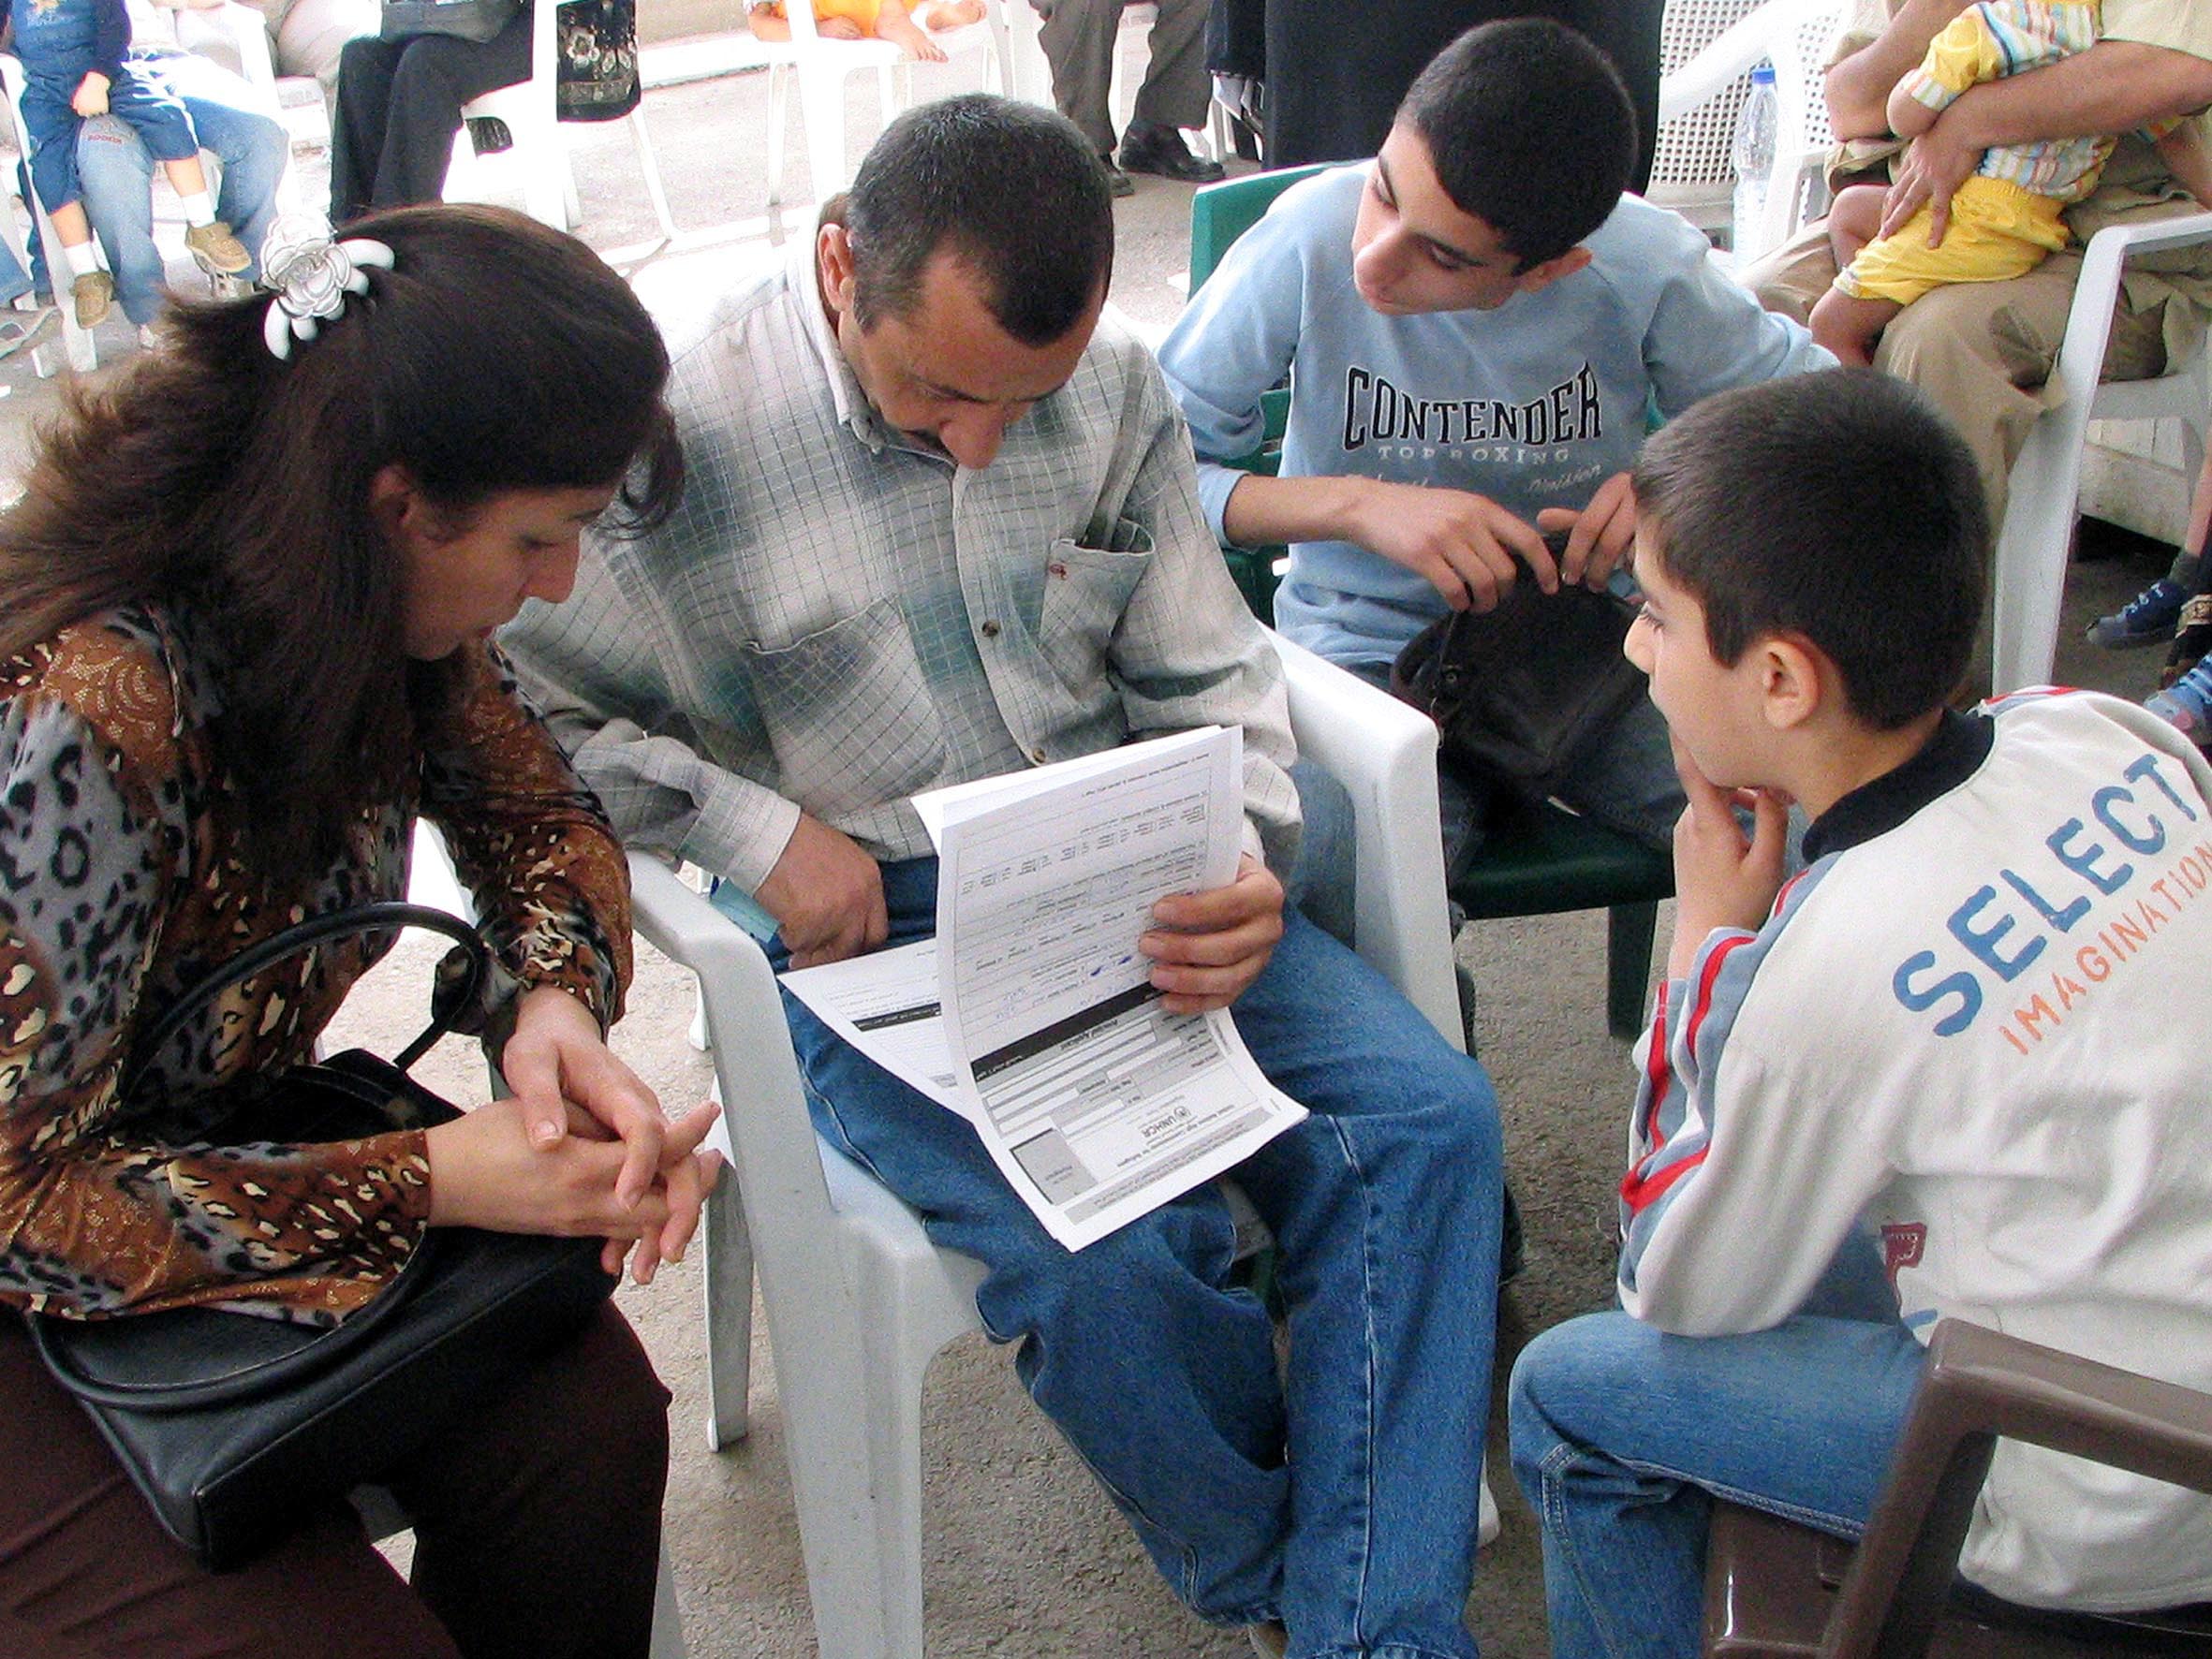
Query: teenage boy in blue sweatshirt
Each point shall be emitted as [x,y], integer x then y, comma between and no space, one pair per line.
[1477,324]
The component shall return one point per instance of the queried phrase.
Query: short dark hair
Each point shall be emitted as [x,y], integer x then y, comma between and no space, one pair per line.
[1841,507]
[1012,189]
[1531,131]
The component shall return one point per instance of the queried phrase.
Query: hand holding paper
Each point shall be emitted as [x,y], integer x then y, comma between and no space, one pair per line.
[1208,946]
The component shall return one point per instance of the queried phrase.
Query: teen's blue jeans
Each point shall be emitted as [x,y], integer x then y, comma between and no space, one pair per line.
[116,174]
[1342,1500]
[1623,1434]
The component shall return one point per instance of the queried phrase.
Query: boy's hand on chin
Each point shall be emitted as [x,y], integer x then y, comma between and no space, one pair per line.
[1723,878]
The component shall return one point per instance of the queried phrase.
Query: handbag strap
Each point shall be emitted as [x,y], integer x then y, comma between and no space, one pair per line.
[387,917]
[256,1379]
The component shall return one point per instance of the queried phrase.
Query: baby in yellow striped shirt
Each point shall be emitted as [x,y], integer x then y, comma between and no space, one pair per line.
[2010,215]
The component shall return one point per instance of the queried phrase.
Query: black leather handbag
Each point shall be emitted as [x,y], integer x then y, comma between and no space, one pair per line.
[231,1425]
[1520,692]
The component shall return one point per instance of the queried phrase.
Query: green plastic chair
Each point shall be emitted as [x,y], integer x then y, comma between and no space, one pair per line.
[1537,859]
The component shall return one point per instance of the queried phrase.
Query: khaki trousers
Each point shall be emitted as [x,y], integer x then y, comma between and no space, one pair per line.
[1981,351]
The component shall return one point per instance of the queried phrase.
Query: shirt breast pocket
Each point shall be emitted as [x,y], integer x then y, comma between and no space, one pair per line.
[849,713]
[1087,589]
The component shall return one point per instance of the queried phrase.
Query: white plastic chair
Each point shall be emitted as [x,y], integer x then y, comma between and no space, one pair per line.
[1794,36]
[2038,531]
[530,110]
[1692,170]
[858,1300]
[820,67]
[245,32]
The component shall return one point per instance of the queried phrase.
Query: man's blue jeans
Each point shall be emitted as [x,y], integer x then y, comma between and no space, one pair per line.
[1343,1499]
[1623,1435]
[116,173]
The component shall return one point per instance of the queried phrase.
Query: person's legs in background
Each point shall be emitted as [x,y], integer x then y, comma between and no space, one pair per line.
[2151,617]
[17,329]
[118,173]
[399,107]
[1078,39]
[1175,95]
[236,125]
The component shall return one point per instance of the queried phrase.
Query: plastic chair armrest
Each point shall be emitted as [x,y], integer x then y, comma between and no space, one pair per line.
[1979,1384]
[771,1141]
[1384,753]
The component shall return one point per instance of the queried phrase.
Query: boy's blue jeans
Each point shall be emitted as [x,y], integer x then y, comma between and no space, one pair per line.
[1343,1499]
[1623,1434]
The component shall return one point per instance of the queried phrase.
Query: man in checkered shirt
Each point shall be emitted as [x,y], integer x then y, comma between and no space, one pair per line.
[941,524]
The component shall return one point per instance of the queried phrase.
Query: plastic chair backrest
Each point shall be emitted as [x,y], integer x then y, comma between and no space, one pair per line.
[1220,214]
[1694,147]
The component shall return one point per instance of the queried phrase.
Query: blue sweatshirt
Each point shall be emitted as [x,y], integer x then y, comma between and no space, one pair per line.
[1533,405]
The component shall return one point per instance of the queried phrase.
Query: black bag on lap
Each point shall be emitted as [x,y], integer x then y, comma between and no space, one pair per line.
[231,1425]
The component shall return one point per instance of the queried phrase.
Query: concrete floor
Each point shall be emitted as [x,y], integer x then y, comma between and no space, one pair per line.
[1023,1555]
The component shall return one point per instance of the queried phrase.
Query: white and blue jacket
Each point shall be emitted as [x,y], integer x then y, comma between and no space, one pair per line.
[1974,1027]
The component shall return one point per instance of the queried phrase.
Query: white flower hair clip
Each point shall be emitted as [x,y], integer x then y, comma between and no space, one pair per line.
[311,275]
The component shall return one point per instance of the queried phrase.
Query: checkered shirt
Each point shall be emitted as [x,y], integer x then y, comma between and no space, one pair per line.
[838,617]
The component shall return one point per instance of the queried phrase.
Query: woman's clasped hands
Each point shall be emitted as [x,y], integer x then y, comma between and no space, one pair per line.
[580,1148]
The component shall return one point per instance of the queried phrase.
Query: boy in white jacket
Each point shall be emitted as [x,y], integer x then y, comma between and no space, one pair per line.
[1958,1053]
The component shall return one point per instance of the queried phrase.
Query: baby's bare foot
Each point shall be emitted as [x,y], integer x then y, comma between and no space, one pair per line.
[900,31]
[948,15]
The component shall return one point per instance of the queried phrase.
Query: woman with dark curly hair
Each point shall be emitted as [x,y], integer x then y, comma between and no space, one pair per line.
[246,608]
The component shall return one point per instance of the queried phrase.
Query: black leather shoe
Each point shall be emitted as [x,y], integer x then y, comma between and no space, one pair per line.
[1161,150]
[1119,183]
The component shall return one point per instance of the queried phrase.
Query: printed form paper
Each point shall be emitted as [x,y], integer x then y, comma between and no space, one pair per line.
[885,1004]
[1096,1103]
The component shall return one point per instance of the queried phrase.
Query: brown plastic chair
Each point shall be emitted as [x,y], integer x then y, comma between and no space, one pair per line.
[1774,1589]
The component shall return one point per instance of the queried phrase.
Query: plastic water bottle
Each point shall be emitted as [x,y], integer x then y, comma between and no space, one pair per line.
[1753,152]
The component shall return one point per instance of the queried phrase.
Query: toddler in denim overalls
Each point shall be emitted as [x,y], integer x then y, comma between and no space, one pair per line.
[72,52]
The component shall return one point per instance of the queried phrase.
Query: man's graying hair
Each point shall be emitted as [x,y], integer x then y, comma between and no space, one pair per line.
[1012,189]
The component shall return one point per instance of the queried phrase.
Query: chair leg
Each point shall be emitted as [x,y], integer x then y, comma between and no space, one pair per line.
[780,100]
[729,1251]
[649,166]
[666,1642]
[571,203]
[1629,929]
[899,1355]
[821,110]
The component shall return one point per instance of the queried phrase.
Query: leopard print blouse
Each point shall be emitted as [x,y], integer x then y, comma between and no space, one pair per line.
[122,879]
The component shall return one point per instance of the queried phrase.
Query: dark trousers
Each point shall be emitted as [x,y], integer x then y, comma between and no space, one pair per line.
[537,1528]
[1078,39]
[399,106]
[1333,83]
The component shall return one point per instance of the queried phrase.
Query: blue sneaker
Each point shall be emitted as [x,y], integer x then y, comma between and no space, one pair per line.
[2148,619]
[2186,704]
